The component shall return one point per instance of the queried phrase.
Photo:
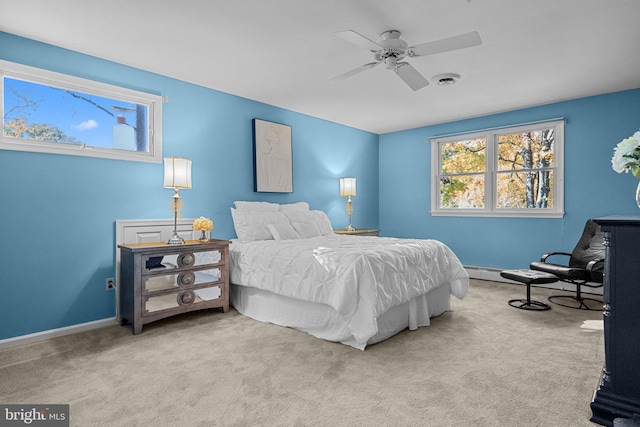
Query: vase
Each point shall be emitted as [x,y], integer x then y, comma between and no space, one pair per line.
[204,236]
[638,194]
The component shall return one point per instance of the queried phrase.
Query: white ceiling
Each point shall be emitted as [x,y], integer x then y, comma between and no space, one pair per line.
[282,52]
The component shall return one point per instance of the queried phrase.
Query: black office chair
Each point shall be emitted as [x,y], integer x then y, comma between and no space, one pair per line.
[585,268]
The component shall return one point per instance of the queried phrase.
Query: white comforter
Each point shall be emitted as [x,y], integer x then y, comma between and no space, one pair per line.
[360,277]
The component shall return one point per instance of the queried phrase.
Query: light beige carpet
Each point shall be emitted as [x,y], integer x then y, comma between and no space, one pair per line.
[482,364]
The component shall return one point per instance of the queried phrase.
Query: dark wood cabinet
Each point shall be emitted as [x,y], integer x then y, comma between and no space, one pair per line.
[158,280]
[618,395]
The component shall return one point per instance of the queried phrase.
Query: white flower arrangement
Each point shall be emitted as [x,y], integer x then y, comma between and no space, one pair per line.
[626,156]
[202,223]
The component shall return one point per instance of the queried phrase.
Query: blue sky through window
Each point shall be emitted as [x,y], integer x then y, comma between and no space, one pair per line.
[84,118]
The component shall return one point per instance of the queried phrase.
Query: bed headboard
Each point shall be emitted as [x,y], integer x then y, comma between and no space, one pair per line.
[143,231]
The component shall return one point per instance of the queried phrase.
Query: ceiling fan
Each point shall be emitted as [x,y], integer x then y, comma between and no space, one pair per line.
[391,50]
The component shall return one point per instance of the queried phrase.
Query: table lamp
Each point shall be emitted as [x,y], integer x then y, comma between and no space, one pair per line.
[348,189]
[177,175]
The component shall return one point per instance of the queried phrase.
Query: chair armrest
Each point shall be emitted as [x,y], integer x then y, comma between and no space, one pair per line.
[595,276]
[548,254]
[590,266]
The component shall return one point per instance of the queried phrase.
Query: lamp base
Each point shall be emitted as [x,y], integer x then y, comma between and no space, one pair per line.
[176,205]
[175,240]
[350,228]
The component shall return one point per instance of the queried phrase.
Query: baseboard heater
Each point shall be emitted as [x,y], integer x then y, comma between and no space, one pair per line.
[493,274]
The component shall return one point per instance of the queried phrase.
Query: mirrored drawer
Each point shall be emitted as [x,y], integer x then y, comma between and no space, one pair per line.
[184,298]
[182,279]
[153,264]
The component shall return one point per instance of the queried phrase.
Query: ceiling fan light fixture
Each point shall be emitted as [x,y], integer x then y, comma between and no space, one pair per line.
[391,62]
[446,79]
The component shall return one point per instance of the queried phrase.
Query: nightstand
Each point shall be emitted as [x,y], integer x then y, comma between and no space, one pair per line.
[359,232]
[159,280]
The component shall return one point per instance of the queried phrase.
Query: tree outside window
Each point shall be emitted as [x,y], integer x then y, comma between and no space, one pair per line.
[525,170]
[462,179]
[508,172]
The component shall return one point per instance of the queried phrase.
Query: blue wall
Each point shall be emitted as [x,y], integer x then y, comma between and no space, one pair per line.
[57,217]
[57,220]
[594,126]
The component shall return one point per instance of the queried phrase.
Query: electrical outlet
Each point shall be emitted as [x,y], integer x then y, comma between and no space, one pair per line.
[110,284]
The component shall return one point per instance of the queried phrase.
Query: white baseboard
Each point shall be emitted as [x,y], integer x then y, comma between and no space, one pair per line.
[493,274]
[53,333]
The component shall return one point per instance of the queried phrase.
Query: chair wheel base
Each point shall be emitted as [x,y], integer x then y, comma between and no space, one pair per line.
[524,304]
[570,301]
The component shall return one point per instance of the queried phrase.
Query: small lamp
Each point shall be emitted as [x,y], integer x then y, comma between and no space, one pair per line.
[348,189]
[177,175]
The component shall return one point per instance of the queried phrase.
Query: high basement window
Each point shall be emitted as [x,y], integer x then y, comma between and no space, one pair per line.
[56,113]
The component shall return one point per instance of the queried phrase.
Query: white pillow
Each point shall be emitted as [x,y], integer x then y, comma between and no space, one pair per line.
[293,207]
[306,230]
[283,231]
[256,206]
[298,216]
[253,225]
[323,223]
[317,218]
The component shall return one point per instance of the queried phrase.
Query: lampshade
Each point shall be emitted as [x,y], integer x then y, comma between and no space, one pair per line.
[347,187]
[177,172]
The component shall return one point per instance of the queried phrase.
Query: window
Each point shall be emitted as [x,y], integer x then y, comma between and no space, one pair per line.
[55,113]
[515,171]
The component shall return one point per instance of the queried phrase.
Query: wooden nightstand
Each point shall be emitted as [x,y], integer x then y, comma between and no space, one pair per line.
[359,232]
[158,280]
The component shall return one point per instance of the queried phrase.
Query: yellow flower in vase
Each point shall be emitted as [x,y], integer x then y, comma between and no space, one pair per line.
[205,226]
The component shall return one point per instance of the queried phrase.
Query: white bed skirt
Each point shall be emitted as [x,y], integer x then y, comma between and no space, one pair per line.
[322,321]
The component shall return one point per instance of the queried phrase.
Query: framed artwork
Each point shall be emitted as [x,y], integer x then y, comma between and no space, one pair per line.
[272,157]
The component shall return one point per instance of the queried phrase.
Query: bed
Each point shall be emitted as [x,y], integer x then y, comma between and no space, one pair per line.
[287,267]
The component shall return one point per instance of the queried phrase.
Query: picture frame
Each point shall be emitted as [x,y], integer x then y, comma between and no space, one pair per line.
[272,157]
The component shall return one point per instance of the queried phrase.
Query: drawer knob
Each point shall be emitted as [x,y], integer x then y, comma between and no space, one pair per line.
[186,297]
[186,259]
[186,278]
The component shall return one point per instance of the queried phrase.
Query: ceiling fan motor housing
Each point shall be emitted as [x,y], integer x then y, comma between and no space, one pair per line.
[394,49]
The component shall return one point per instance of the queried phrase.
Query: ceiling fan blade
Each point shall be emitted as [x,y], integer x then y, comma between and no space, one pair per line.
[353,72]
[411,76]
[445,45]
[359,40]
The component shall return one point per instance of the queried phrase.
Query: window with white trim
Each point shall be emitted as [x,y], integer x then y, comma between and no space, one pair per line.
[512,171]
[56,113]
